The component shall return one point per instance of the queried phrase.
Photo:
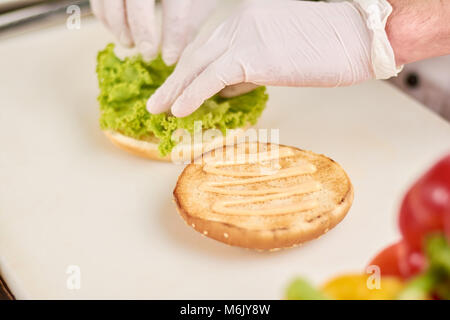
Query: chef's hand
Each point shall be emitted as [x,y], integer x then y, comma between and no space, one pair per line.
[282,43]
[133,23]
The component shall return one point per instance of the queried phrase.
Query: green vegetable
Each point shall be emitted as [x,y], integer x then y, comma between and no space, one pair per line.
[438,253]
[125,86]
[419,287]
[437,277]
[300,289]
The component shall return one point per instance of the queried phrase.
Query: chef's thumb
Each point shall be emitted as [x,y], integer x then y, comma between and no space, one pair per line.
[237,89]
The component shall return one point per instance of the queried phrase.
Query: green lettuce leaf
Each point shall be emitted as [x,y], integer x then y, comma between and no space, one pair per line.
[125,86]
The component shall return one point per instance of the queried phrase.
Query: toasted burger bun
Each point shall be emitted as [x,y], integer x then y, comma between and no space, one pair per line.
[280,200]
[181,153]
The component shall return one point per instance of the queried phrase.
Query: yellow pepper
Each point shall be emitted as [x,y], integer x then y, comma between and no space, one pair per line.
[361,287]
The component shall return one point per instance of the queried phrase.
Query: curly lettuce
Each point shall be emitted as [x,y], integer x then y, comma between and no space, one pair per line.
[125,86]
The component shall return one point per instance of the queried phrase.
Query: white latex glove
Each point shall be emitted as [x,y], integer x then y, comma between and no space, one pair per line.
[281,43]
[133,23]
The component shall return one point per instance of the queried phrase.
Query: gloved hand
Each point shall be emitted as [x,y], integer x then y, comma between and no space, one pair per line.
[133,23]
[282,43]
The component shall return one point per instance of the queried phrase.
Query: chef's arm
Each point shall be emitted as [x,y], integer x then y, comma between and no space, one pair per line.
[419,29]
[305,44]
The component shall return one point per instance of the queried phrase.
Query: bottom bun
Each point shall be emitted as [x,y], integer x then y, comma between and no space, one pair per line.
[148,148]
[279,200]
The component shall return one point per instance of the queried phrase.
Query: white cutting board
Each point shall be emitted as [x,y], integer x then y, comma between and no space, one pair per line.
[69,197]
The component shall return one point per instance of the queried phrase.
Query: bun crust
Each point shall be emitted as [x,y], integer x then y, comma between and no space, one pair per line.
[149,148]
[141,148]
[308,195]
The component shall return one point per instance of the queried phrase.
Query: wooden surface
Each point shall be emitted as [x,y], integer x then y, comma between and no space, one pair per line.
[5,294]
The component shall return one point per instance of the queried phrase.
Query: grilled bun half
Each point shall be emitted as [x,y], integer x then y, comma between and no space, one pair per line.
[148,148]
[263,196]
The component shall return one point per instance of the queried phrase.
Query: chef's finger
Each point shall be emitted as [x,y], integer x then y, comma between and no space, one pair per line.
[192,62]
[115,15]
[237,89]
[215,77]
[181,21]
[201,10]
[176,28]
[141,20]
[97,7]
